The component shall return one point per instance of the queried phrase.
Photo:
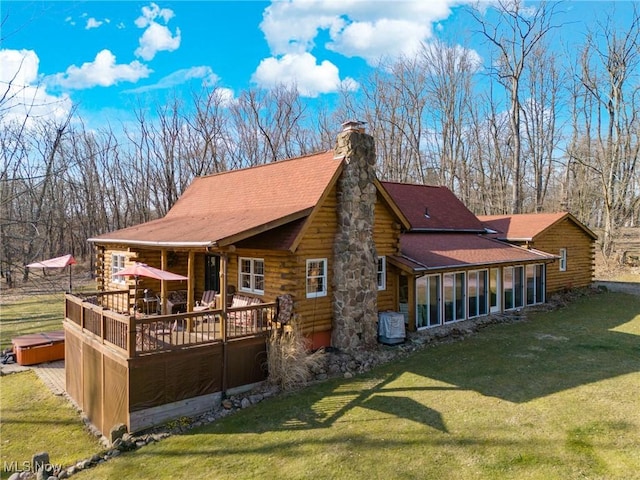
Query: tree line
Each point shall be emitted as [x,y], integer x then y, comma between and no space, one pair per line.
[531,128]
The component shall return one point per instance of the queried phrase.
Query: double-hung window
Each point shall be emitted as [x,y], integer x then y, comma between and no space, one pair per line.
[316,277]
[563,259]
[251,275]
[117,264]
[382,273]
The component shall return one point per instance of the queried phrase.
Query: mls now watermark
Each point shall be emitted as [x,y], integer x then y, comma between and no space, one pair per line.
[29,466]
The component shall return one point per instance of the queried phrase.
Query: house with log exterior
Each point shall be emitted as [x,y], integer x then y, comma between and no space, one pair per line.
[316,239]
[558,233]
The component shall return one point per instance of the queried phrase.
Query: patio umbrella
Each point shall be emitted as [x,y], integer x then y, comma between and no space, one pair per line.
[57,262]
[143,270]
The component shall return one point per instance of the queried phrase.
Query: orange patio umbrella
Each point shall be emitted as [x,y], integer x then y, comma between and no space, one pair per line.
[57,262]
[143,270]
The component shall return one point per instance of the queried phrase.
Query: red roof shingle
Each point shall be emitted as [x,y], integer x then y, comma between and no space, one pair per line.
[233,205]
[526,226]
[447,250]
[444,211]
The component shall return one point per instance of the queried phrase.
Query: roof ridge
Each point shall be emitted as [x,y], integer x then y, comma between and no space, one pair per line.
[274,162]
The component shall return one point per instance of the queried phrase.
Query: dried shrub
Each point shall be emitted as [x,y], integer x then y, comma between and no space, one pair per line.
[289,359]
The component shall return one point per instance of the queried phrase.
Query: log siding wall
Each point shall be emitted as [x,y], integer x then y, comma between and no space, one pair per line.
[580,255]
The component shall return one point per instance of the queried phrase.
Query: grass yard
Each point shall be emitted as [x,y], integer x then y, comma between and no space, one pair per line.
[34,420]
[555,397]
[34,314]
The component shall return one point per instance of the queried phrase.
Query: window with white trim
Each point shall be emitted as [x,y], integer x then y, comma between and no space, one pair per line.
[117,264]
[382,273]
[454,294]
[251,275]
[563,259]
[316,277]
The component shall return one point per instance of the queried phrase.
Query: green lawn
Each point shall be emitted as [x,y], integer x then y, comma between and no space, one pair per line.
[556,397]
[34,314]
[34,420]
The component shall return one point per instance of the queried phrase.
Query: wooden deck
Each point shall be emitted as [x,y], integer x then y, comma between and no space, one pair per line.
[143,334]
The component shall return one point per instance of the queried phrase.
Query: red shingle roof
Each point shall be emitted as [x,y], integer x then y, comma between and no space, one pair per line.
[447,250]
[445,211]
[526,226]
[227,207]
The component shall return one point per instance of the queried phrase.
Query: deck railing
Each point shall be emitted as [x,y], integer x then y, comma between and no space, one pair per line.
[143,334]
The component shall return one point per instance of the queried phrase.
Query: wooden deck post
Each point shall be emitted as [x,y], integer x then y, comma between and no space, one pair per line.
[191,269]
[223,295]
[131,337]
[163,285]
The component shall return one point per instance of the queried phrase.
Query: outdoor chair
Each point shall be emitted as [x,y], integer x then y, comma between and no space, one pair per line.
[151,302]
[208,299]
[177,302]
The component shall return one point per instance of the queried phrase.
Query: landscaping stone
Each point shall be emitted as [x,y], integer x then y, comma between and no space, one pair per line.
[116,432]
[38,460]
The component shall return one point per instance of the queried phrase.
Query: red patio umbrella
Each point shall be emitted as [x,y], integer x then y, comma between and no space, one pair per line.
[143,270]
[57,262]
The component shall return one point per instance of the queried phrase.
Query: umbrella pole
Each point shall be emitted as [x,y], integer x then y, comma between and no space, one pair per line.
[135,296]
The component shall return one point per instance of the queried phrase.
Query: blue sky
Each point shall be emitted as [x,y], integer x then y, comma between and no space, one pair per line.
[104,57]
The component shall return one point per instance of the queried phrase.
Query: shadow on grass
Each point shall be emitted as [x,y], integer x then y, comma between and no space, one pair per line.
[552,352]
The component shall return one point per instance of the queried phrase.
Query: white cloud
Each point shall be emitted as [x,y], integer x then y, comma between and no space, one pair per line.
[103,71]
[25,97]
[156,37]
[150,13]
[92,23]
[368,29]
[382,38]
[302,70]
[180,77]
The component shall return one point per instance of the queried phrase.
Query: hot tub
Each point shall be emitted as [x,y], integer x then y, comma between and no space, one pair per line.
[37,348]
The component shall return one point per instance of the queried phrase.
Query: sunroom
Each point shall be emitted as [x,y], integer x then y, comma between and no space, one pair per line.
[452,277]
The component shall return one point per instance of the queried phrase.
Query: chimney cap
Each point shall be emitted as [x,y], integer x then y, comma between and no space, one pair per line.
[353,125]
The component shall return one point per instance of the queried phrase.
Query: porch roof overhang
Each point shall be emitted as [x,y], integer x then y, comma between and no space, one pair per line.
[428,252]
[202,232]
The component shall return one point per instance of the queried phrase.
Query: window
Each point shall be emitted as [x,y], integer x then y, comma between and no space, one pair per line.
[507,285]
[494,290]
[251,275]
[117,264]
[563,259]
[454,296]
[535,284]
[477,293]
[428,311]
[382,273]
[513,287]
[316,277]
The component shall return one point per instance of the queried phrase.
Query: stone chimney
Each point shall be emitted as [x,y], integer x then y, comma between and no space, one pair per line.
[355,290]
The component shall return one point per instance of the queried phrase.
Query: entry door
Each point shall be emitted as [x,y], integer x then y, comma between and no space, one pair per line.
[212,273]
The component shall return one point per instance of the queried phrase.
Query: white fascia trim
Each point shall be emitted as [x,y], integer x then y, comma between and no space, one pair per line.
[151,243]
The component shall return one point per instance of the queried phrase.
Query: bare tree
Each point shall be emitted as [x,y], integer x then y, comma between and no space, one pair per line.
[606,137]
[514,34]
